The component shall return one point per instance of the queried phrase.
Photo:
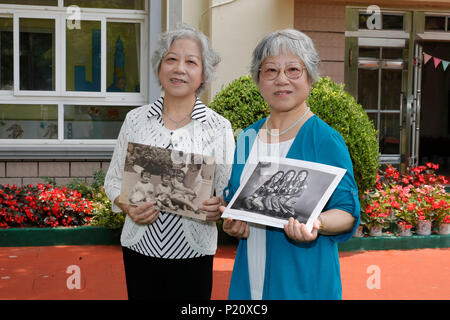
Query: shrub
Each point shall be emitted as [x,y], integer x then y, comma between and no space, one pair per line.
[242,104]
[102,214]
[330,102]
[42,206]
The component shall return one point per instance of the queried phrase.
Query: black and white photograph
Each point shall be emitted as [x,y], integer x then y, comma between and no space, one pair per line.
[176,181]
[278,189]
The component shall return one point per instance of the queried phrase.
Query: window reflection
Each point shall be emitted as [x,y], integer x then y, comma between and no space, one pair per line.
[37,54]
[83,57]
[20,121]
[368,88]
[392,21]
[6,54]
[434,23]
[391,86]
[389,21]
[123,57]
[93,122]
[389,133]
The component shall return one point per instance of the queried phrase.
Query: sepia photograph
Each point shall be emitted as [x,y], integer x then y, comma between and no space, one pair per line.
[176,181]
[278,189]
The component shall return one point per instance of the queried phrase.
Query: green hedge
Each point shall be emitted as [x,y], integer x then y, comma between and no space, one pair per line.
[330,102]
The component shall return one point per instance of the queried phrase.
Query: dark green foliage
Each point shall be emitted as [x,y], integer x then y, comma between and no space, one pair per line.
[241,103]
[329,101]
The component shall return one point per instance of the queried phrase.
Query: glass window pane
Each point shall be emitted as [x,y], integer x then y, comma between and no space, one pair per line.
[392,53]
[83,57]
[373,117]
[434,23]
[368,88]
[37,54]
[93,122]
[391,86]
[31,2]
[21,121]
[392,22]
[111,4]
[123,57]
[6,54]
[368,52]
[389,133]
[363,17]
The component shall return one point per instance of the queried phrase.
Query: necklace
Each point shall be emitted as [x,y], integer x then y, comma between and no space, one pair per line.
[286,130]
[177,123]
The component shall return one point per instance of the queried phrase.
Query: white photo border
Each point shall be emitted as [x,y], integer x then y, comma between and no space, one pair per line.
[258,218]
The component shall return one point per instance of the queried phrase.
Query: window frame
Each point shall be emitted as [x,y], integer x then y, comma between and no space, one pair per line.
[61,148]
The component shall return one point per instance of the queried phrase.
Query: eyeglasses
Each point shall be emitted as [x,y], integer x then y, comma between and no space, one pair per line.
[272,71]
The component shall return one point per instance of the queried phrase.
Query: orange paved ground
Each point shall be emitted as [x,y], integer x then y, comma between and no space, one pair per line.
[42,273]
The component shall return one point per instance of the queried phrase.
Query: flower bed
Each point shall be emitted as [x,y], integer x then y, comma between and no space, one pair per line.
[42,206]
[400,201]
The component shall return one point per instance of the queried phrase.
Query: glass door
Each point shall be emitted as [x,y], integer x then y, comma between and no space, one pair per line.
[416,106]
[377,74]
[381,82]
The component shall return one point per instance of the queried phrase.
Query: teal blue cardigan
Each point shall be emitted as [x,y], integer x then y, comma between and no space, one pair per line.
[297,270]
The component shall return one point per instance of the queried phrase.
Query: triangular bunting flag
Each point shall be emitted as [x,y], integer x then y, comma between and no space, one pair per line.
[445,64]
[426,57]
[436,61]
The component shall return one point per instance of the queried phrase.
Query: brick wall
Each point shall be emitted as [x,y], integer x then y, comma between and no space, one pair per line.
[33,172]
[325,24]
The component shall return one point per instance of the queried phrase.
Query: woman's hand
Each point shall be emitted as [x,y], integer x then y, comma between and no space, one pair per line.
[142,214]
[235,228]
[211,206]
[297,231]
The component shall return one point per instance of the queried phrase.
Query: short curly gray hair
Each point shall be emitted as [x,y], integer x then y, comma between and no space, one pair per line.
[282,41]
[210,59]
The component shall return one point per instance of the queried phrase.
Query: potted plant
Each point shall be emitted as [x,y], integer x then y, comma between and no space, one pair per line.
[376,212]
[439,203]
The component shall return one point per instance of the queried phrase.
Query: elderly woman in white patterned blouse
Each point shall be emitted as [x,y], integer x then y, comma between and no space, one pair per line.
[166,255]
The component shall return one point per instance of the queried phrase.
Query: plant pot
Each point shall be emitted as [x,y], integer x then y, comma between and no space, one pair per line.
[423,227]
[376,231]
[404,230]
[444,229]
[359,232]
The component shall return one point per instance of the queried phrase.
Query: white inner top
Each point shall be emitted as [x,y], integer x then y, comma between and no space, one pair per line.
[256,242]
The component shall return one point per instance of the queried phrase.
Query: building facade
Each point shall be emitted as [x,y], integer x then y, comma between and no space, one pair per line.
[72,69]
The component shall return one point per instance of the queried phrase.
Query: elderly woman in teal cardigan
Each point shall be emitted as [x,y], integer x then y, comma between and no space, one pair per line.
[291,263]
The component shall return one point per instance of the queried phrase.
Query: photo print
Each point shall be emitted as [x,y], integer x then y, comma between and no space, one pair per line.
[176,181]
[278,188]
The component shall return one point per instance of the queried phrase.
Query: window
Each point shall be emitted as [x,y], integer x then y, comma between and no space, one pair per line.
[380,78]
[31,2]
[83,57]
[28,121]
[6,54]
[62,81]
[37,54]
[435,23]
[93,122]
[389,21]
[112,4]
[123,57]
